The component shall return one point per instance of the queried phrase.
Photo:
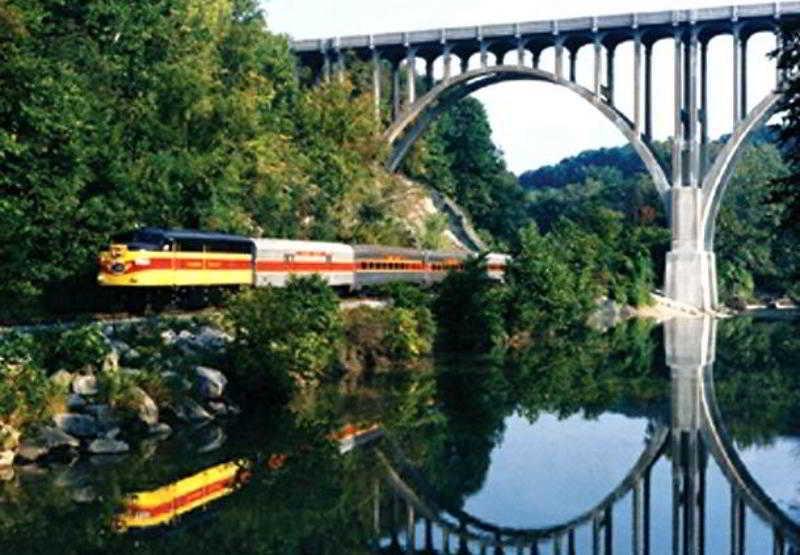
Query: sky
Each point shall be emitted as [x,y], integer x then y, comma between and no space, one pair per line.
[536,124]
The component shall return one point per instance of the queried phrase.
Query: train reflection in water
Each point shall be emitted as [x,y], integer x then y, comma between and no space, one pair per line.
[409,518]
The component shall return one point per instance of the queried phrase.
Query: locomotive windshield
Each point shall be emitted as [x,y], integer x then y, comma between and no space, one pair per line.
[141,239]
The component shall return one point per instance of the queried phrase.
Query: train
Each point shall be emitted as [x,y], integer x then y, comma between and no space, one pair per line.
[154,258]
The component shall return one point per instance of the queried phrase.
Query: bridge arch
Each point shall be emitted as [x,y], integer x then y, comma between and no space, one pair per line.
[410,125]
[718,441]
[411,487]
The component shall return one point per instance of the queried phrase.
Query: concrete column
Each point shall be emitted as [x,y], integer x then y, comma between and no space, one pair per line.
[738,522]
[743,87]
[573,65]
[648,92]
[610,51]
[326,67]
[396,93]
[411,77]
[693,102]
[598,66]
[737,77]
[537,54]
[484,55]
[690,345]
[429,80]
[691,274]
[559,58]
[677,142]
[376,83]
[465,63]
[703,109]
[637,84]
[448,63]
[520,53]
[339,66]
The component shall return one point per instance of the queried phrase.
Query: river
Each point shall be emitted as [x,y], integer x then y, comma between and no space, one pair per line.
[619,443]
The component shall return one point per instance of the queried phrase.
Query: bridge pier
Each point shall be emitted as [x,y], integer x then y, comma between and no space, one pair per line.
[691,273]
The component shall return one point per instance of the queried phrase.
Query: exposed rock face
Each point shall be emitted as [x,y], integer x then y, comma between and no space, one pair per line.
[9,437]
[85,385]
[78,425]
[146,408]
[7,458]
[105,446]
[211,383]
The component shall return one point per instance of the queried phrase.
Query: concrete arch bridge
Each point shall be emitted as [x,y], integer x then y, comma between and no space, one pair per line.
[691,190]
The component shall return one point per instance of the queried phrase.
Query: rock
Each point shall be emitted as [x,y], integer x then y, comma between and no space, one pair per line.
[211,338]
[85,385]
[177,380]
[78,425]
[107,331]
[146,408]
[233,410]
[160,429]
[132,356]
[62,378]
[111,362]
[9,437]
[120,347]
[189,411]
[112,433]
[218,408]
[104,415]
[185,335]
[211,439]
[105,446]
[53,438]
[168,337]
[210,382]
[84,495]
[7,458]
[6,474]
[75,402]
[31,451]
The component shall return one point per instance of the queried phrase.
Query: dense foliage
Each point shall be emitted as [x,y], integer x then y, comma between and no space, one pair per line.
[179,113]
[789,65]
[458,158]
[284,337]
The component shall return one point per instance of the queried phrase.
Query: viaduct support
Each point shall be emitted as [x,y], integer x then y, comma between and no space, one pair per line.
[691,276]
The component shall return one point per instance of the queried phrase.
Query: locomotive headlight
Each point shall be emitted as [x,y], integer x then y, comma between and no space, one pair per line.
[142,262]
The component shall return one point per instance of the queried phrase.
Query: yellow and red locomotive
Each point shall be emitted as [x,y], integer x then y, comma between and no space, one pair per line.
[162,258]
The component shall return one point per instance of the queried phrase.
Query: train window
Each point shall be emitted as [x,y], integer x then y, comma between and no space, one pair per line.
[229,247]
[122,238]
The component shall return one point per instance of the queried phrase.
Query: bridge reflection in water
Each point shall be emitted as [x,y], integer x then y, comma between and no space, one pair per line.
[408,519]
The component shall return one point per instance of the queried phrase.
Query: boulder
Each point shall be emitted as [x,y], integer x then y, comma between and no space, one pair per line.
[168,337]
[113,433]
[62,378]
[211,439]
[75,402]
[85,494]
[218,408]
[185,335]
[189,411]
[30,450]
[107,331]
[211,338]
[132,356]
[120,347]
[85,385]
[160,429]
[176,380]
[104,416]
[7,458]
[78,425]
[6,474]
[105,446]
[53,438]
[211,383]
[146,408]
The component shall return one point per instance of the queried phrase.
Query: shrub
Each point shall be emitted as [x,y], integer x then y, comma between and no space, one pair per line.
[284,337]
[470,310]
[80,347]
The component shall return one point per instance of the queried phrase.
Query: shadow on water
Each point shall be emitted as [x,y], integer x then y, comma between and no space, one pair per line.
[636,441]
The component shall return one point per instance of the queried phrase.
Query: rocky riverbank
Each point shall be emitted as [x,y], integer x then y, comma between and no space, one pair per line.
[145,382]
